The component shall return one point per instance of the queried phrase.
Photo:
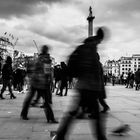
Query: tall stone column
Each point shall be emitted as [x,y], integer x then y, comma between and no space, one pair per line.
[90,22]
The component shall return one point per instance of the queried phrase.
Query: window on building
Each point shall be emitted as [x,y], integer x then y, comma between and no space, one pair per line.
[122,68]
[125,68]
[135,65]
[129,65]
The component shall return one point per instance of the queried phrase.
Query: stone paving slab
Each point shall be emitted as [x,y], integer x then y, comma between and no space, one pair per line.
[124,104]
[126,117]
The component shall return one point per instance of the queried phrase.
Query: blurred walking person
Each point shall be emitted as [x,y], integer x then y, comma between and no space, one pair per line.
[63,79]
[84,64]
[7,77]
[113,80]
[57,77]
[137,79]
[40,83]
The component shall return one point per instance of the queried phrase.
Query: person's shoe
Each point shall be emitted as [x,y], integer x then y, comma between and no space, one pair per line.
[24,117]
[33,104]
[80,116]
[59,94]
[54,137]
[52,121]
[12,96]
[92,116]
[42,106]
[105,109]
[1,97]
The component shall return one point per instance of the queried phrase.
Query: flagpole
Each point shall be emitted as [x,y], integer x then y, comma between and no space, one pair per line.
[36,45]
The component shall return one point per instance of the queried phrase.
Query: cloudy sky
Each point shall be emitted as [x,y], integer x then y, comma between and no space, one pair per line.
[62,24]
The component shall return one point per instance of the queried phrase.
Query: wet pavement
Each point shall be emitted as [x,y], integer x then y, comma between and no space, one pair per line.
[124,104]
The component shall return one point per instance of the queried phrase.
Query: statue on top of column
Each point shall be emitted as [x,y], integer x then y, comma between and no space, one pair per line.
[90,11]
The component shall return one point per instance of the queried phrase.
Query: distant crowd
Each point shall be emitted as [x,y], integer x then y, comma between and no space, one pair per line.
[130,79]
[18,79]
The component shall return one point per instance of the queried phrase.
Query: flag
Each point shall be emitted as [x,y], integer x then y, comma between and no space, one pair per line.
[16,53]
[12,37]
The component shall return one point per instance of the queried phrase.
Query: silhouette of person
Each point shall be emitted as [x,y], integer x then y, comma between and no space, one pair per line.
[7,76]
[89,85]
[40,83]
[63,79]
[137,79]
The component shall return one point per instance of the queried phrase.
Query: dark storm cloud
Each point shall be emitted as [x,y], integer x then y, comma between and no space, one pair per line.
[127,6]
[10,8]
[65,35]
[123,10]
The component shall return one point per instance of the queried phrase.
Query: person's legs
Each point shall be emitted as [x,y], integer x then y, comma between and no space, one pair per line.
[66,89]
[26,103]
[58,87]
[99,123]
[5,83]
[61,88]
[67,120]
[136,86]
[49,94]
[36,100]
[10,90]
[47,108]
[104,104]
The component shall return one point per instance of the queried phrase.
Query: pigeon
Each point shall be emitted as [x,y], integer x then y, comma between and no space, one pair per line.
[123,129]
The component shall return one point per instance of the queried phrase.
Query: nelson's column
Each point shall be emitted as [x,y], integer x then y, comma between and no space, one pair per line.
[90,22]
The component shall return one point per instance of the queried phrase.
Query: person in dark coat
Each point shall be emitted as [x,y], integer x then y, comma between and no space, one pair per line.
[105,79]
[56,74]
[15,78]
[63,79]
[57,77]
[40,83]
[137,79]
[89,85]
[113,80]
[7,76]
[20,74]
[128,79]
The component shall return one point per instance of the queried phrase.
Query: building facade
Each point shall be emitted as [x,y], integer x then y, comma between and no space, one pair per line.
[6,47]
[112,67]
[123,65]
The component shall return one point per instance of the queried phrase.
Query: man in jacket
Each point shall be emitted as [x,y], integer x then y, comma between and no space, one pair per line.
[89,86]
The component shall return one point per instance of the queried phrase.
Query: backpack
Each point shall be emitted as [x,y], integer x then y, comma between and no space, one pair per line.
[42,72]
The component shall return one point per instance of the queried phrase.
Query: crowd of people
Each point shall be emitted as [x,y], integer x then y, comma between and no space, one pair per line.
[18,79]
[129,80]
[83,71]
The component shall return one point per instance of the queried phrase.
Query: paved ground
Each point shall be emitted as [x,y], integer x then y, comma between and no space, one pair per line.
[125,109]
